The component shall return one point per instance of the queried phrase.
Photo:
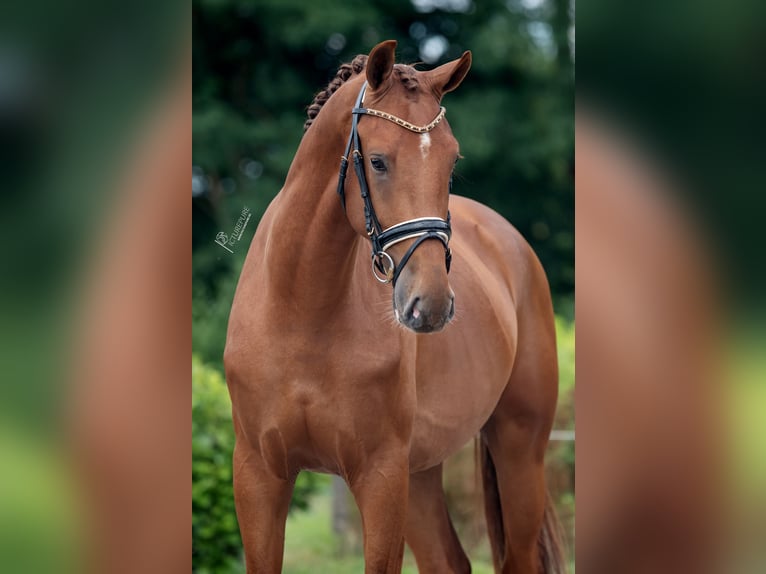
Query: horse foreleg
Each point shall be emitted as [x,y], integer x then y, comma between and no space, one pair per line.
[262,501]
[381,495]
[430,533]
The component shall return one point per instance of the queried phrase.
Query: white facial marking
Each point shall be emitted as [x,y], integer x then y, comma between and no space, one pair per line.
[425,144]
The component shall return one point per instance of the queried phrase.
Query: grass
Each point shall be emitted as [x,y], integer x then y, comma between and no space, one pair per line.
[310,545]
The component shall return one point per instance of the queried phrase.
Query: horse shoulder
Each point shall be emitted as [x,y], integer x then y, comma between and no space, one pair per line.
[493,240]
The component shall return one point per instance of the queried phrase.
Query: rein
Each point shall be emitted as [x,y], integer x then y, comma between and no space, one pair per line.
[421,228]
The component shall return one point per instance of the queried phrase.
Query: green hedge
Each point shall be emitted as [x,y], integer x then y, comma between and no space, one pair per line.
[215,534]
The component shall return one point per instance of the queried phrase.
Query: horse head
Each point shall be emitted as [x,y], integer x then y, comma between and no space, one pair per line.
[404,154]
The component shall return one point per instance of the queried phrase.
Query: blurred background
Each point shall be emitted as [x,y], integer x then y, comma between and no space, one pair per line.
[670,287]
[256,67]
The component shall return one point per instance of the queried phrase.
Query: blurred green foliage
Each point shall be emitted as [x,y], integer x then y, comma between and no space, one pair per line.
[563,452]
[565,343]
[210,316]
[215,532]
[41,525]
[560,458]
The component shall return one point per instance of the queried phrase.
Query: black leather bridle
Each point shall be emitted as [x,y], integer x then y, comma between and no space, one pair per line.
[420,229]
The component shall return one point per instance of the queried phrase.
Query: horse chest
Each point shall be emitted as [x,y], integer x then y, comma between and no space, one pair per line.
[318,406]
[325,428]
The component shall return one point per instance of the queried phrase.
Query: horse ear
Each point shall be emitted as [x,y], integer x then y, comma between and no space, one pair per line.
[449,76]
[380,63]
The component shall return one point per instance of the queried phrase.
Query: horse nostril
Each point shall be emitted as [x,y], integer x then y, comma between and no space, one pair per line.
[452,306]
[414,310]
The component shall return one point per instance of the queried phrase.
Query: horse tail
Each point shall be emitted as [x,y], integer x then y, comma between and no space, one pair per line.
[551,548]
[550,541]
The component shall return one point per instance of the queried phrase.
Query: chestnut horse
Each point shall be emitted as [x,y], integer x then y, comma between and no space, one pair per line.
[325,375]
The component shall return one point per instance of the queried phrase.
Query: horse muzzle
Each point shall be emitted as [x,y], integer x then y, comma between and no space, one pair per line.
[424,314]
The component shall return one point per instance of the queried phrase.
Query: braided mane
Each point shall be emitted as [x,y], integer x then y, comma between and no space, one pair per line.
[344,73]
[405,74]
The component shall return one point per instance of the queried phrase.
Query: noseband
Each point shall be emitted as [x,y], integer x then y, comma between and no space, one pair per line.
[420,228]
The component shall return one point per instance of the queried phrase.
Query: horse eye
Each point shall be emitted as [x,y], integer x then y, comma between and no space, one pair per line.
[378,164]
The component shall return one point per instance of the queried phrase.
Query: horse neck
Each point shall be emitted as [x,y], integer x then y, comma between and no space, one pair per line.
[312,246]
